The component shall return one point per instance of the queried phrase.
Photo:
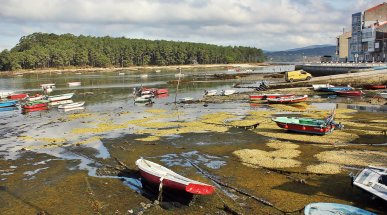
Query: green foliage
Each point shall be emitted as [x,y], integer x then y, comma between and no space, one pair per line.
[42,50]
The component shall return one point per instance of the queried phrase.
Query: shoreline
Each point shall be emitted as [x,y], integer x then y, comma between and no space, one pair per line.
[135,68]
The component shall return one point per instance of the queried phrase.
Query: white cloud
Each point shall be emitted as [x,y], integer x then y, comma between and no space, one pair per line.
[273,25]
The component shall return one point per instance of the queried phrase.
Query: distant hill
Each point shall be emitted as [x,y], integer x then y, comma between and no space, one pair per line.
[311,53]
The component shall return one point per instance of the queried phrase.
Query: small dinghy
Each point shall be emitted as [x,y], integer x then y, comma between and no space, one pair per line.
[142,100]
[35,98]
[269,96]
[61,102]
[156,174]
[383,94]
[5,93]
[8,103]
[287,100]
[71,105]
[186,100]
[74,84]
[375,87]
[210,92]
[19,96]
[323,208]
[227,92]
[373,180]
[60,97]
[35,104]
[350,93]
[316,87]
[161,91]
[334,89]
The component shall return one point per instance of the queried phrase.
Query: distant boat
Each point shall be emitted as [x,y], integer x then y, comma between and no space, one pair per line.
[71,105]
[8,103]
[48,88]
[147,96]
[210,92]
[287,100]
[74,84]
[179,75]
[34,109]
[323,208]
[4,109]
[19,96]
[161,91]
[375,87]
[157,71]
[383,94]
[121,73]
[227,92]
[5,93]
[269,96]
[73,109]
[350,93]
[144,76]
[186,100]
[142,100]
[60,97]
[61,102]
[373,180]
[155,174]
[334,89]
[35,104]
[307,125]
[35,98]
[318,86]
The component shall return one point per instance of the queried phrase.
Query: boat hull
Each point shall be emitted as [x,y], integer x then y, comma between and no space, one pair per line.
[375,87]
[307,129]
[18,96]
[8,104]
[334,89]
[349,93]
[34,106]
[60,97]
[288,100]
[333,209]
[269,96]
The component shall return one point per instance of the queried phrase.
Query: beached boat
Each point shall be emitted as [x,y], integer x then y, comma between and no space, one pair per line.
[73,109]
[35,98]
[61,102]
[179,75]
[156,174]
[28,110]
[383,94]
[8,103]
[375,87]
[19,96]
[74,84]
[60,97]
[307,125]
[287,100]
[210,92]
[318,86]
[71,105]
[269,96]
[161,91]
[5,109]
[144,76]
[373,180]
[5,93]
[186,100]
[227,92]
[142,100]
[147,96]
[324,208]
[35,104]
[350,93]
[334,89]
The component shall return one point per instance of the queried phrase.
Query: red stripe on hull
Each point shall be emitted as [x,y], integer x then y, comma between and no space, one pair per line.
[305,128]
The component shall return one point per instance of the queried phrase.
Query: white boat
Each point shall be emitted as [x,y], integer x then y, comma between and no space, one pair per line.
[186,99]
[68,101]
[373,180]
[35,98]
[73,109]
[383,94]
[157,71]
[74,84]
[210,92]
[121,73]
[60,97]
[155,174]
[144,76]
[227,92]
[142,100]
[325,208]
[147,96]
[5,93]
[179,75]
[318,86]
[71,105]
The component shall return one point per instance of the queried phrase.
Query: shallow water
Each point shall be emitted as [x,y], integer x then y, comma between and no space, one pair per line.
[36,147]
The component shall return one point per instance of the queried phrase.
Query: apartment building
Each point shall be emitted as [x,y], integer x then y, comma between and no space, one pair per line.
[368,42]
[342,46]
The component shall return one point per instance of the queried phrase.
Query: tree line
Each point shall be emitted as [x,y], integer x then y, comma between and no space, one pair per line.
[43,50]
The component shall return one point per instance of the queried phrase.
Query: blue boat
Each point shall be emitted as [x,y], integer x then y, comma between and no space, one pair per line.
[334,89]
[8,103]
[333,209]
[8,109]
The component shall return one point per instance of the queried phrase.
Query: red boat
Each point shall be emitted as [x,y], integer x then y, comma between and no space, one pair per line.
[35,109]
[269,96]
[161,91]
[288,100]
[18,96]
[35,104]
[375,87]
[156,174]
[350,93]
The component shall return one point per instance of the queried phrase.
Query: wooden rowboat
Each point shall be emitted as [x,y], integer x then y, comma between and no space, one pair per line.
[156,174]
[269,96]
[288,100]
[350,93]
[333,209]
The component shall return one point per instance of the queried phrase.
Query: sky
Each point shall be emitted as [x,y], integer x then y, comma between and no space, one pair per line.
[267,24]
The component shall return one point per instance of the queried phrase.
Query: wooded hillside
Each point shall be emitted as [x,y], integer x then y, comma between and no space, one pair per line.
[42,50]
